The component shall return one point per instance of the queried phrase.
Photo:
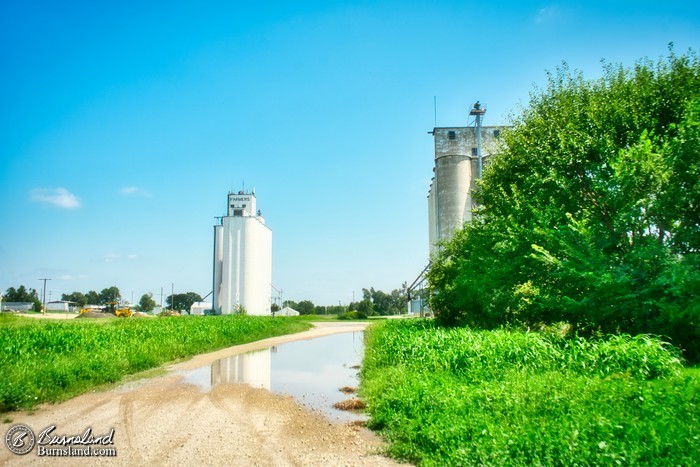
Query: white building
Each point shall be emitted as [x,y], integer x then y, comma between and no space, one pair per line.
[287,311]
[242,258]
[16,306]
[199,308]
[59,305]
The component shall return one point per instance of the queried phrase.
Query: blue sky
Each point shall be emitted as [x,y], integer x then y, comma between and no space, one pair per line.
[124,126]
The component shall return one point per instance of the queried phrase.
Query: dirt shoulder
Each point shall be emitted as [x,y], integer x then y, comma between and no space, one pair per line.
[162,421]
[49,315]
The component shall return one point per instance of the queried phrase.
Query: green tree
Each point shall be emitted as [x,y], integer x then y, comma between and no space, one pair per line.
[335,309]
[381,303]
[183,301]
[22,294]
[399,299]
[75,297]
[305,307]
[111,294]
[146,303]
[393,303]
[591,213]
[92,298]
[365,306]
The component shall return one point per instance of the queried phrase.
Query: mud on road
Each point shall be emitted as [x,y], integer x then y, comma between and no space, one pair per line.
[163,421]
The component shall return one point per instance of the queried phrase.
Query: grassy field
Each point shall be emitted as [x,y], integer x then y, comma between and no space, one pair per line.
[465,397]
[51,360]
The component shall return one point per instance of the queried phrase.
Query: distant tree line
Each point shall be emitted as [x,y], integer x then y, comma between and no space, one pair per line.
[23,294]
[182,301]
[373,303]
[110,294]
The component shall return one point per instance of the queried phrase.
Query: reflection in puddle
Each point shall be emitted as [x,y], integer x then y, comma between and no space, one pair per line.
[251,368]
[311,371]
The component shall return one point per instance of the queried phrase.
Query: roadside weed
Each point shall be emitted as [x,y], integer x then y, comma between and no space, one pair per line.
[465,397]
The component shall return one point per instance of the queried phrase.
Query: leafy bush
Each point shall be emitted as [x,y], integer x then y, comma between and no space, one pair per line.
[352,315]
[464,397]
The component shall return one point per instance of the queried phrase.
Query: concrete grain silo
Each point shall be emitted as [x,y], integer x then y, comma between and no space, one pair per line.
[242,258]
[251,368]
[450,200]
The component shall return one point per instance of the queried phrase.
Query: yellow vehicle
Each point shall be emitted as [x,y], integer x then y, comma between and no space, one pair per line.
[111,307]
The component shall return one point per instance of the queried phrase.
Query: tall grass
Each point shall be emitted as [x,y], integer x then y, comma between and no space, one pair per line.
[465,397]
[479,355]
[46,361]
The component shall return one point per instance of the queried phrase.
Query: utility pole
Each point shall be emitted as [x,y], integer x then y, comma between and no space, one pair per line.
[279,296]
[43,307]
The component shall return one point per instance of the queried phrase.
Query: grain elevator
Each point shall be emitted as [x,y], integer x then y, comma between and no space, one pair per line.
[459,155]
[242,258]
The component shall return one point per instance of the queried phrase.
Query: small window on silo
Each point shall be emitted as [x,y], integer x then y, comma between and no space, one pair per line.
[474,152]
[496,133]
[451,135]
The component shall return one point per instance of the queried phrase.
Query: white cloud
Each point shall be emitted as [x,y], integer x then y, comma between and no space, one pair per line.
[135,191]
[59,197]
[112,257]
[546,15]
[71,277]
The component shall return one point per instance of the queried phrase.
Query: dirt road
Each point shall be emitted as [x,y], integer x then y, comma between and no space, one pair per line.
[162,421]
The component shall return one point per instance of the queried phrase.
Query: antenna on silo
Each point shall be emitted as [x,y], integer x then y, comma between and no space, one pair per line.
[435,111]
[478,112]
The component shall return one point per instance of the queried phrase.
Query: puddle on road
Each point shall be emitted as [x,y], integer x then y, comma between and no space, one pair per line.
[312,371]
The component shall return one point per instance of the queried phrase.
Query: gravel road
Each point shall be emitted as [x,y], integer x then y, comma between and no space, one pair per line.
[163,421]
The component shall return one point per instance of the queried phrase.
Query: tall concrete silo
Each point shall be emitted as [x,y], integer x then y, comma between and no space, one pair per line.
[450,200]
[242,258]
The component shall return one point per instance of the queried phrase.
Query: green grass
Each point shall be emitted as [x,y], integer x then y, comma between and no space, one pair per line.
[315,317]
[465,397]
[336,318]
[51,360]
